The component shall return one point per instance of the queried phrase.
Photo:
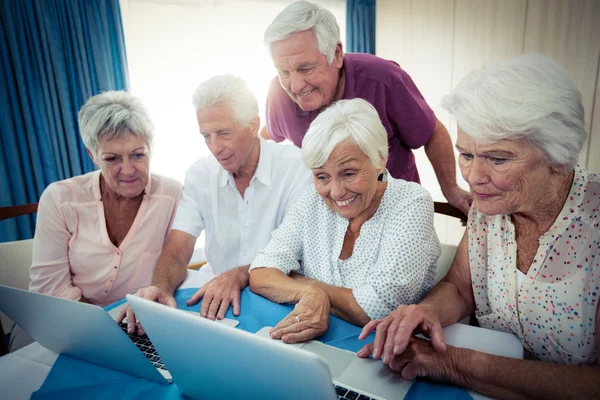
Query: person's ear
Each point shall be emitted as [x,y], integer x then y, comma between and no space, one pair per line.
[254,126]
[92,157]
[558,168]
[338,57]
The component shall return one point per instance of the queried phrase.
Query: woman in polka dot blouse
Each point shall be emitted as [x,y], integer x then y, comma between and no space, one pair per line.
[358,243]
[529,262]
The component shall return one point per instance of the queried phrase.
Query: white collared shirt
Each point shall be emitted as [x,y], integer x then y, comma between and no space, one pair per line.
[236,227]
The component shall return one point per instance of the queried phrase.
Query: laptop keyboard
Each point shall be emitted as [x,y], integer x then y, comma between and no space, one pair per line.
[350,394]
[144,344]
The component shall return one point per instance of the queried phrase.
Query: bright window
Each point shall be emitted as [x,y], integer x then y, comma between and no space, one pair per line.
[172,46]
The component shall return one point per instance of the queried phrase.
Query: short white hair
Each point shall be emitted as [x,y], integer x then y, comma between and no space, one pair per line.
[227,91]
[302,16]
[354,121]
[113,115]
[530,96]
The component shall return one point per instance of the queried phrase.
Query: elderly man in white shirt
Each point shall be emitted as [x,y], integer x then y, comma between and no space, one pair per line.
[239,195]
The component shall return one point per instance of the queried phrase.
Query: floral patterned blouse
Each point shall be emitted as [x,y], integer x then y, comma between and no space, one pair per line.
[553,310]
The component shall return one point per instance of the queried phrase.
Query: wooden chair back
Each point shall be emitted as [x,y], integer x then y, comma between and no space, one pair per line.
[17,211]
[451,211]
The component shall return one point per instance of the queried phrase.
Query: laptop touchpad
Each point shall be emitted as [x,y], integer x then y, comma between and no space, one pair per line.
[337,359]
[375,377]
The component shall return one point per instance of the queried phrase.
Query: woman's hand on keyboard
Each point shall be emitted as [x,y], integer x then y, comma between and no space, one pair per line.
[152,293]
[420,359]
[394,332]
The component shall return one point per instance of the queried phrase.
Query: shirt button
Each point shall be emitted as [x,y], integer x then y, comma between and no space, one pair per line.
[115,267]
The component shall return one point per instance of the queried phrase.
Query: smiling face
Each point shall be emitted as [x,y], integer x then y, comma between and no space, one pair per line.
[505,177]
[124,163]
[303,71]
[348,181]
[231,143]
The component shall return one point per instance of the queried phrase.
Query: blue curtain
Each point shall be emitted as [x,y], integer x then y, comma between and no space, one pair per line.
[54,55]
[360,26]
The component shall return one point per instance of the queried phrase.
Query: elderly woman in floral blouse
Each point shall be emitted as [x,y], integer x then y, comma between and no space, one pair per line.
[529,262]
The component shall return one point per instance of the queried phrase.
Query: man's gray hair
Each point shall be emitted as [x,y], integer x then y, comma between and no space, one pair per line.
[227,91]
[113,115]
[354,121]
[530,96]
[302,16]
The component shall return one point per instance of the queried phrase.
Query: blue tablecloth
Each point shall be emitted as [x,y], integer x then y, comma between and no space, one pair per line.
[71,378]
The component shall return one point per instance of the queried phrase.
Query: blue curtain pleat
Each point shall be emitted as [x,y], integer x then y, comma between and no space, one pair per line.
[360,26]
[54,55]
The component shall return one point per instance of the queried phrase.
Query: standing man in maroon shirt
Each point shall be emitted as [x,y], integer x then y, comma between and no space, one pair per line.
[313,72]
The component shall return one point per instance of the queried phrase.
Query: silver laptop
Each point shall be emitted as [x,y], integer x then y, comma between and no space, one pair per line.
[79,330]
[210,361]
[364,375]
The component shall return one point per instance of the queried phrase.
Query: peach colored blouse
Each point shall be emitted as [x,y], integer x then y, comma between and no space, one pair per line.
[72,254]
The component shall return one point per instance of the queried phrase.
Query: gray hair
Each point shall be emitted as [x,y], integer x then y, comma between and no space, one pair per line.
[355,121]
[302,16]
[530,96]
[112,115]
[227,91]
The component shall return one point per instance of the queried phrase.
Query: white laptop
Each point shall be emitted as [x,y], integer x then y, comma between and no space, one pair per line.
[83,331]
[210,361]
[79,330]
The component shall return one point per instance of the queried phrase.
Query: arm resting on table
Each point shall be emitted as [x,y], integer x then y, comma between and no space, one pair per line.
[275,285]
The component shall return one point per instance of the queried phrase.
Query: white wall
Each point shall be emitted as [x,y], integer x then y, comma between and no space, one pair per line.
[438,41]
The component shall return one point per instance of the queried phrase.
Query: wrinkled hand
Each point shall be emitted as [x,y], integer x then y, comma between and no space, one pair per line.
[309,319]
[153,293]
[420,359]
[394,332]
[459,199]
[221,292]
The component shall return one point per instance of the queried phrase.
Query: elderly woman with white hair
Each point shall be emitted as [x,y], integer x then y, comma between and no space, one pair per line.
[98,235]
[358,243]
[529,262]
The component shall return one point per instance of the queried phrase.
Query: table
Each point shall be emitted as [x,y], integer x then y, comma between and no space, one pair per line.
[25,371]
